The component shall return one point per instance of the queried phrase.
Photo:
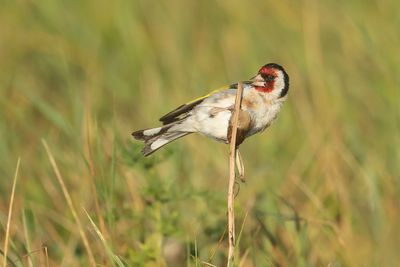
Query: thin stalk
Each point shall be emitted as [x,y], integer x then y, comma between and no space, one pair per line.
[231,196]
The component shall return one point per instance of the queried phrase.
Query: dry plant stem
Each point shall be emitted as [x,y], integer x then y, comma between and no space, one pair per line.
[27,239]
[231,197]
[70,205]
[92,177]
[217,246]
[240,165]
[10,213]
[46,256]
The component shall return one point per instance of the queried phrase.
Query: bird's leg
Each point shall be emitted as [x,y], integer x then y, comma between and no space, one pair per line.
[240,165]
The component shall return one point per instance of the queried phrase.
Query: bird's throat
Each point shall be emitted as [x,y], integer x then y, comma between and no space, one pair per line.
[264,89]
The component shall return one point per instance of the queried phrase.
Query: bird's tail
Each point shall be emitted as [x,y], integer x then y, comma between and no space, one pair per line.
[155,138]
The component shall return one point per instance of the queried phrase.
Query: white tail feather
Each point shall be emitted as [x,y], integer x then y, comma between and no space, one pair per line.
[157,142]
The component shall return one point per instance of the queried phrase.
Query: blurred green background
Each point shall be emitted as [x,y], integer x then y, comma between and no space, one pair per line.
[322,183]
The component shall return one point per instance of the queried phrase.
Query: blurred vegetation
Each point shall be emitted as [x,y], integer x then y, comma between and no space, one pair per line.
[322,183]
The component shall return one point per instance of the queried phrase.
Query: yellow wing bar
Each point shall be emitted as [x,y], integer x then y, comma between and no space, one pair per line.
[210,93]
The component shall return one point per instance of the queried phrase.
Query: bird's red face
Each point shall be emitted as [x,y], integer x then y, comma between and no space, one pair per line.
[272,78]
[265,80]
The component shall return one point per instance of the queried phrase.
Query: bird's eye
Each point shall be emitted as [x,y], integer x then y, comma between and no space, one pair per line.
[268,77]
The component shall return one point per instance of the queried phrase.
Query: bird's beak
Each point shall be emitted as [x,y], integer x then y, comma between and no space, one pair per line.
[258,80]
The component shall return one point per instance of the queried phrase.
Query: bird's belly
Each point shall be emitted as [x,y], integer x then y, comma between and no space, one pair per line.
[214,126]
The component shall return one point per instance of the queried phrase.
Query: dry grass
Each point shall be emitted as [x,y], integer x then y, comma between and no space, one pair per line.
[10,209]
[68,199]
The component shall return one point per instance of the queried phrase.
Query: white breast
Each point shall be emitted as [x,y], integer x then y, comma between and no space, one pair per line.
[264,118]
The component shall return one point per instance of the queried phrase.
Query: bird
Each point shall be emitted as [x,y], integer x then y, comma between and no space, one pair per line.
[211,115]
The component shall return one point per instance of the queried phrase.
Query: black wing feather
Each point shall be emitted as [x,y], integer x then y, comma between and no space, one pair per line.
[180,112]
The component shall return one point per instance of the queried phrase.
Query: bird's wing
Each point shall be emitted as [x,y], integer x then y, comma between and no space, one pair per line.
[182,111]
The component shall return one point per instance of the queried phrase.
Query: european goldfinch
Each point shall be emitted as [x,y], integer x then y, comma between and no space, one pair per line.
[210,115]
